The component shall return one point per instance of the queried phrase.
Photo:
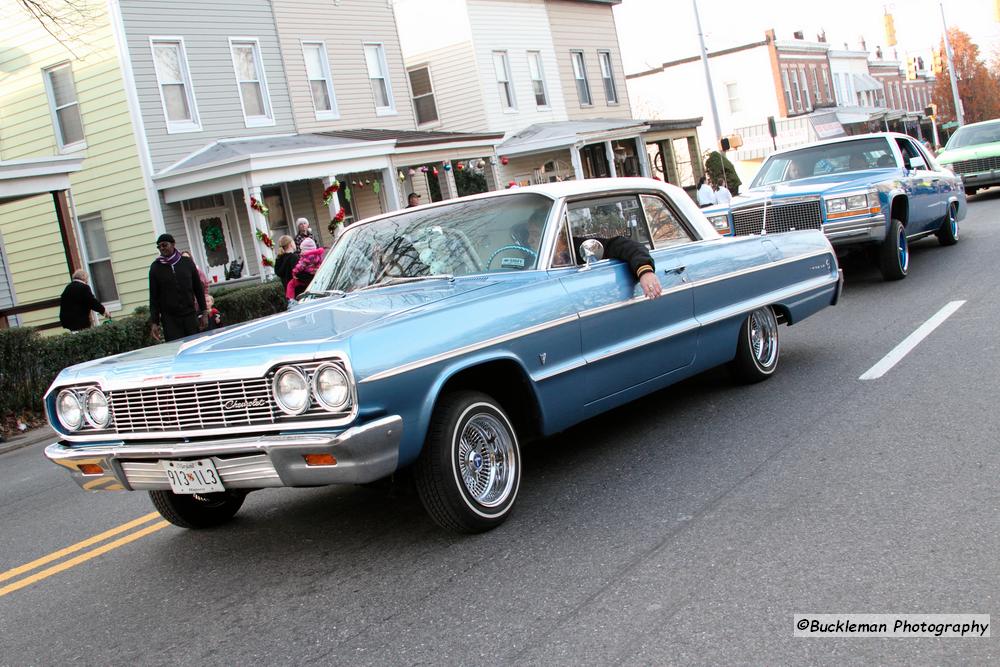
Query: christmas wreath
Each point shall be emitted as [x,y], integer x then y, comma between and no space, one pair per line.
[212,236]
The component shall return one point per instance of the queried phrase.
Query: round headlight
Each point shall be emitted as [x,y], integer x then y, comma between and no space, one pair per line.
[331,386]
[98,413]
[69,409]
[291,391]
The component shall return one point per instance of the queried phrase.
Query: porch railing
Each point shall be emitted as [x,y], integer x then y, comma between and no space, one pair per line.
[6,313]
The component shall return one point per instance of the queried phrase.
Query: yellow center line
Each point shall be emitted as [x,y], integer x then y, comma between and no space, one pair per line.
[65,565]
[56,555]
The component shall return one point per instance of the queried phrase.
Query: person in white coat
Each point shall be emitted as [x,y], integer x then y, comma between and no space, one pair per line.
[722,194]
[706,195]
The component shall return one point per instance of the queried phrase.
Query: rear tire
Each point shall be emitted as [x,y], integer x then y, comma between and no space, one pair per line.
[970,191]
[894,253]
[758,347]
[948,233]
[469,471]
[195,511]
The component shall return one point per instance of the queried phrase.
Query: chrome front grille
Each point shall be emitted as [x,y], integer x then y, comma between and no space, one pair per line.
[204,406]
[975,166]
[780,218]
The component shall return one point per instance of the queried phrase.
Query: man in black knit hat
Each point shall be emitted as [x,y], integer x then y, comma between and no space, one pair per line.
[174,287]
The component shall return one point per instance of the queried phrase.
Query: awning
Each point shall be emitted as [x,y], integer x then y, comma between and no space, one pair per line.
[542,137]
[864,82]
[860,115]
[29,177]
[826,125]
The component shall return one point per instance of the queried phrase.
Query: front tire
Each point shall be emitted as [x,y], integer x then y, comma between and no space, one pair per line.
[970,191]
[948,233]
[469,471]
[197,511]
[758,347]
[894,253]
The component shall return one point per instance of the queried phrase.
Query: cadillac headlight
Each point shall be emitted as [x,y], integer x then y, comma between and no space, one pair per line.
[720,222]
[69,409]
[331,387]
[857,202]
[291,390]
[97,412]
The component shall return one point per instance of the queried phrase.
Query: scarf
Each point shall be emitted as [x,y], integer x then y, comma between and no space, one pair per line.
[173,259]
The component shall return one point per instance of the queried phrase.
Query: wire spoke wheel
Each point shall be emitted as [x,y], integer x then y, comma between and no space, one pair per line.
[763,337]
[485,458]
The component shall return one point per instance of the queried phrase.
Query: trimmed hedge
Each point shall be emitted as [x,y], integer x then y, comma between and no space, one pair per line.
[29,361]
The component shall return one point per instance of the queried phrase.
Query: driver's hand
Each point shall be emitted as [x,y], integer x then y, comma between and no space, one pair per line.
[650,285]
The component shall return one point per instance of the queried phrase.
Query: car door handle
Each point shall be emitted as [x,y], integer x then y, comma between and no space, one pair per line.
[677,269]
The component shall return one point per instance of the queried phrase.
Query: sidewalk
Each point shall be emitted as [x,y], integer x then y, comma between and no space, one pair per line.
[42,434]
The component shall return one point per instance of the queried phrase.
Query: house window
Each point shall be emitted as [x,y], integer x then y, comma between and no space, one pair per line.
[826,85]
[607,73]
[65,107]
[787,89]
[805,88]
[538,78]
[733,93]
[580,74]
[320,80]
[250,78]
[174,79]
[796,94]
[817,95]
[423,95]
[95,245]
[501,66]
[378,75]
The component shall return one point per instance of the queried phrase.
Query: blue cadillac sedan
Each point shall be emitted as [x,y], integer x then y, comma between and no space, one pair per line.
[881,191]
[439,339]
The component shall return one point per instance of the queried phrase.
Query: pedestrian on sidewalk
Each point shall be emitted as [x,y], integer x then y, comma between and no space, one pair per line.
[176,295]
[76,303]
[706,195]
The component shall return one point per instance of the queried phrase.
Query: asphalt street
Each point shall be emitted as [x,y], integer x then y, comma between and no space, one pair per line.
[687,527]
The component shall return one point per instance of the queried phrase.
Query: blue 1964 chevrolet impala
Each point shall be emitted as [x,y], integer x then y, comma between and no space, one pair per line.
[440,337]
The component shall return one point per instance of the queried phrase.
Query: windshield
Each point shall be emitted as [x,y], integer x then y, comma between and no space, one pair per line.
[467,237]
[834,158]
[972,135]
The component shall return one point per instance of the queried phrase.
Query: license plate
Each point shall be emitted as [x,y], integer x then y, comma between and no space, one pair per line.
[193,476]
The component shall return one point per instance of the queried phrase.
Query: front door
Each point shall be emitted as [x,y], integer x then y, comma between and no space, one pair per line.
[213,232]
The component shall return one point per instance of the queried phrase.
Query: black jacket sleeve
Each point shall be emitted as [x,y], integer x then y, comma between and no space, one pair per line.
[93,303]
[154,296]
[631,252]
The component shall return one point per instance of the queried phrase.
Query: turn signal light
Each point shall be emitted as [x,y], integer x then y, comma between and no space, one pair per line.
[91,469]
[320,459]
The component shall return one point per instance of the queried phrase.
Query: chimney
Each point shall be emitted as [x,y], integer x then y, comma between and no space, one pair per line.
[878,52]
[821,36]
[798,34]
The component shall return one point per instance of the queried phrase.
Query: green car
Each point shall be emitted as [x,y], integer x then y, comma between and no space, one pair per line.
[973,152]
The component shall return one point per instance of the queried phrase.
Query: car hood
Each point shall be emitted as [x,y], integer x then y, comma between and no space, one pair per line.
[969,153]
[816,185]
[247,350]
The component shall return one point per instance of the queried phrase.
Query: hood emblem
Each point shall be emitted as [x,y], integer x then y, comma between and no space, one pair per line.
[244,404]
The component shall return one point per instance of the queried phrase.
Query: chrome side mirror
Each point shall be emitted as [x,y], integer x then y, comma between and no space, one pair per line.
[591,251]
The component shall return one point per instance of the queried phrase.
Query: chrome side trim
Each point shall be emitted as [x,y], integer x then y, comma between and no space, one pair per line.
[420,363]
[768,299]
[426,361]
[559,370]
[633,301]
[648,339]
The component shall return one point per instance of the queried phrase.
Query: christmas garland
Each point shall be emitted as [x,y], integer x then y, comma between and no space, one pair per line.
[258,206]
[213,238]
[336,221]
[266,261]
[265,239]
[329,192]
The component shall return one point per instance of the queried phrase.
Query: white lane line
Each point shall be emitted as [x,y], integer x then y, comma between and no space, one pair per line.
[910,342]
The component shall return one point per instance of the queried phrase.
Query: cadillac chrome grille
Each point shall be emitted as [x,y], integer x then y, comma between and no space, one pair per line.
[204,405]
[975,166]
[780,218]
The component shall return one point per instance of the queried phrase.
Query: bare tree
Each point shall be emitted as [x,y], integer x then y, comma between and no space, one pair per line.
[64,20]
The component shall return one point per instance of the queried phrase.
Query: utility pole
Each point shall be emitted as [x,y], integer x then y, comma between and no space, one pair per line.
[959,113]
[708,76]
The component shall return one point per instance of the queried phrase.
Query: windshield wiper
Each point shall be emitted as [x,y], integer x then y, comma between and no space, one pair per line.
[398,280]
[323,293]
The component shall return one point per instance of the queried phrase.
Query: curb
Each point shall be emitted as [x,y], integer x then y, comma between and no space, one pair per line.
[29,438]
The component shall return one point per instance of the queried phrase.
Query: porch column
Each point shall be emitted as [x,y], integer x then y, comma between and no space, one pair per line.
[332,208]
[66,231]
[610,152]
[446,179]
[393,198]
[492,173]
[258,221]
[574,156]
[640,150]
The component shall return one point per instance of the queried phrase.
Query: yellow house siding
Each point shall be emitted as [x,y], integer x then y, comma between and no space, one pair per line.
[110,182]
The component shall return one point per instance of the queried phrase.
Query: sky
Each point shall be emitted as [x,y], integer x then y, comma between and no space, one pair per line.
[655,31]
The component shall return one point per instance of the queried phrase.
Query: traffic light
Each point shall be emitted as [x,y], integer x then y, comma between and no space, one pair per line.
[930,111]
[911,69]
[890,29]
[938,60]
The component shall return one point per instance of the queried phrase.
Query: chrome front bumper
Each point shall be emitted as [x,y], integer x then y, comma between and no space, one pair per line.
[870,228]
[980,179]
[363,454]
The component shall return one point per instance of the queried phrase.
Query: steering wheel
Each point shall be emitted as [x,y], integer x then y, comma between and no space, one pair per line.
[526,250]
